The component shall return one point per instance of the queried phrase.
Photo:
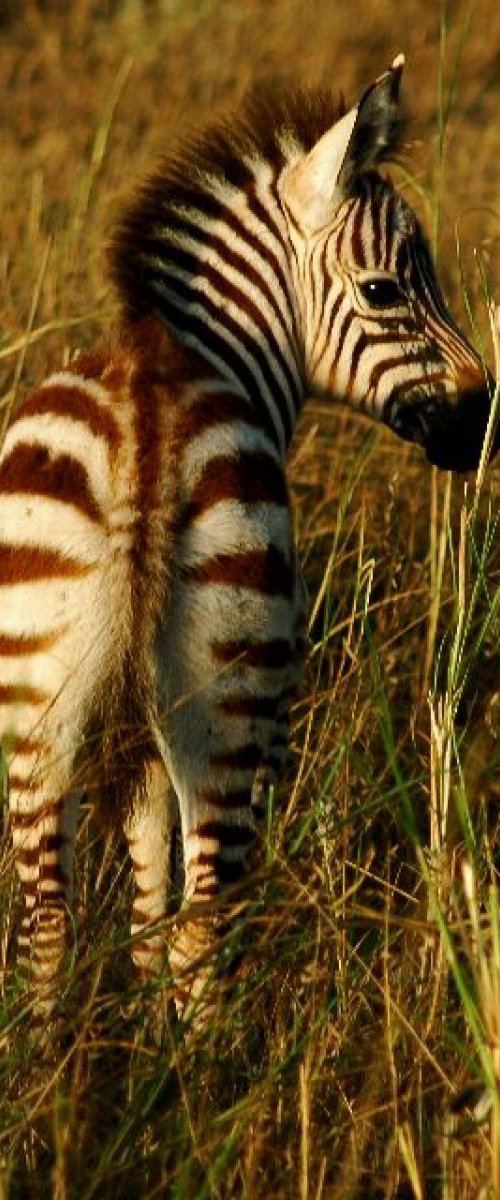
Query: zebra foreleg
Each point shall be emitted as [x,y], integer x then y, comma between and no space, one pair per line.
[148,830]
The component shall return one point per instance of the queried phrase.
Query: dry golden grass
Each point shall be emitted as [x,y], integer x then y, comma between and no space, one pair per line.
[368,993]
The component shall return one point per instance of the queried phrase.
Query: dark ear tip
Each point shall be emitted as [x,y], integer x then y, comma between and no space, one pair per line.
[387,84]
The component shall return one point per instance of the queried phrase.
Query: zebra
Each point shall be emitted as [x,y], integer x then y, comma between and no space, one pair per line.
[152,608]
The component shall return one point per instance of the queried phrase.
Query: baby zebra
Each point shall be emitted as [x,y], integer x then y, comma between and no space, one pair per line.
[151,605]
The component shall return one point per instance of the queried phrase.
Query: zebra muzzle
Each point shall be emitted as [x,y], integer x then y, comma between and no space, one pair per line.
[455,443]
[451,432]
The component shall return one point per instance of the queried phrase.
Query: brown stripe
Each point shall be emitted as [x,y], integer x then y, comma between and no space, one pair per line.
[390,225]
[361,345]
[24,564]
[292,220]
[31,819]
[275,653]
[18,784]
[215,409]
[49,921]
[252,478]
[51,910]
[74,402]
[392,337]
[263,708]
[375,214]
[91,365]
[17,693]
[33,470]
[207,889]
[14,745]
[343,231]
[226,872]
[141,892]
[226,800]
[323,339]
[333,315]
[28,858]
[226,835]
[147,947]
[388,364]
[30,888]
[44,910]
[50,942]
[414,385]
[137,917]
[347,321]
[264,571]
[402,264]
[50,843]
[244,758]
[357,246]
[25,644]
[52,873]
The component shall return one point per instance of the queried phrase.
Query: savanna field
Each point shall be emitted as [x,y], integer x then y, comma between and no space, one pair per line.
[357,1054]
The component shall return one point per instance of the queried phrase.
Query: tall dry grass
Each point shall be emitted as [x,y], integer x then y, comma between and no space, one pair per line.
[359,1048]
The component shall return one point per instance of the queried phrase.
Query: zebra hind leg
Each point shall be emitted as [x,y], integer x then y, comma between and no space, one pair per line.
[43,812]
[222,795]
[47,750]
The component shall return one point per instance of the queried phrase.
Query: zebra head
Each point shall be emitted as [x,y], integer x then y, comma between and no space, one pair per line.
[376,329]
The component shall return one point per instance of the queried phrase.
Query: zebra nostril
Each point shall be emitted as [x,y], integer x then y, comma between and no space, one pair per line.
[409,422]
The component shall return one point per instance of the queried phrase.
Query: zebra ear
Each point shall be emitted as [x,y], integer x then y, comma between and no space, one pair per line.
[313,188]
[377,123]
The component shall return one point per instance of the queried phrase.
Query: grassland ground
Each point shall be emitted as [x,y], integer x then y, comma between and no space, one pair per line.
[368,997]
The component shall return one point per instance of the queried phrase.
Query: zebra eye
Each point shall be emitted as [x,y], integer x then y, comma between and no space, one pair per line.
[382,293]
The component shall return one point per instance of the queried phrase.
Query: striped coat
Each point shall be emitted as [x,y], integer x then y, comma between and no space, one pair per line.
[151,606]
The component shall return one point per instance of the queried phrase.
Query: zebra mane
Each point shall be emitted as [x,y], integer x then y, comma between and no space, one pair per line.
[265,120]
[267,126]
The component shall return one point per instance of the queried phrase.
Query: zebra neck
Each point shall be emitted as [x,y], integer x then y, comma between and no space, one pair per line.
[266,384]
[223,284]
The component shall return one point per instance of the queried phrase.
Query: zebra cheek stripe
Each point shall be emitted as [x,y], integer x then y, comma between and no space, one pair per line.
[152,610]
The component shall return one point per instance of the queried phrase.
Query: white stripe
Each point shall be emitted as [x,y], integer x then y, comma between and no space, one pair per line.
[231,439]
[51,525]
[228,528]
[66,379]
